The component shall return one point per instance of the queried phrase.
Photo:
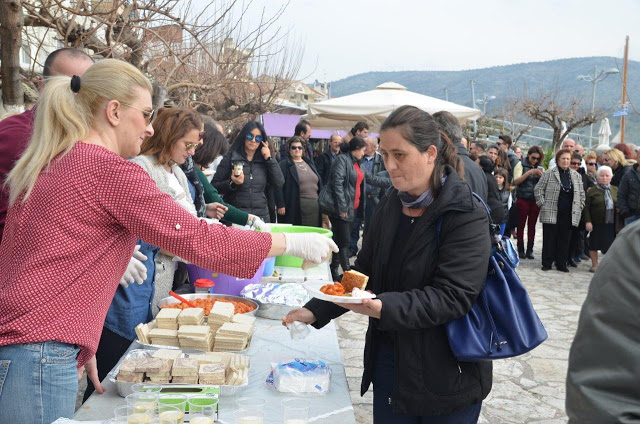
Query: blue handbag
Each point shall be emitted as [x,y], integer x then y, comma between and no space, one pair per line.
[510,251]
[502,322]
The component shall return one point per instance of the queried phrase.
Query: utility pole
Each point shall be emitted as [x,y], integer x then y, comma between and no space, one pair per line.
[473,103]
[624,87]
[446,94]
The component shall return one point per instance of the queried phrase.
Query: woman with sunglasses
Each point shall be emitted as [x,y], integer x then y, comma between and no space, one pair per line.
[247,171]
[591,162]
[526,175]
[614,159]
[76,208]
[297,201]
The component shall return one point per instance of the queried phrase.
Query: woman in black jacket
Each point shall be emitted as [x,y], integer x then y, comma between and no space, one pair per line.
[347,187]
[247,170]
[297,201]
[493,199]
[419,287]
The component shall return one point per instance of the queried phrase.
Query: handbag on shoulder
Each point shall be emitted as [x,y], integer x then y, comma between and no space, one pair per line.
[326,200]
[502,322]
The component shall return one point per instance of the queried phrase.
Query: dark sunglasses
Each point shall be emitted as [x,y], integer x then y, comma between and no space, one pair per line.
[534,157]
[575,163]
[591,163]
[250,137]
[296,148]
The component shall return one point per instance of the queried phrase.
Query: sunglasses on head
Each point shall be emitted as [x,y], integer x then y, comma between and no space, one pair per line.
[250,137]
[297,148]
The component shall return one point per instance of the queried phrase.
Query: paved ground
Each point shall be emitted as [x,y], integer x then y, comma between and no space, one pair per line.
[527,389]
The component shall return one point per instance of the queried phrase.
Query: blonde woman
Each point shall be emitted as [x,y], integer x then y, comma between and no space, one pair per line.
[77,207]
[615,160]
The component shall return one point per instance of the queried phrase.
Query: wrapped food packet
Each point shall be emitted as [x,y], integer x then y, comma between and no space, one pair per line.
[301,377]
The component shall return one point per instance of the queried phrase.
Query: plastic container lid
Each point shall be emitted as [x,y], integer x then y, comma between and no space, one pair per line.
[204,282]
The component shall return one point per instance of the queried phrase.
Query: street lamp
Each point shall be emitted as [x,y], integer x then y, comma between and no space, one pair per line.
[483,101]
[598,75]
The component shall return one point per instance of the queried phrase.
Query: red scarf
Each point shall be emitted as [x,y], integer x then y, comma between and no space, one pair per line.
[359,180]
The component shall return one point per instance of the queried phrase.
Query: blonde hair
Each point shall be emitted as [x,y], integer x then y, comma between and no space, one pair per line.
[618,156]
[63,118]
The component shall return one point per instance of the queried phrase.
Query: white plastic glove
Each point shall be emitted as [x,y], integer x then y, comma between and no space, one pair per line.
[313,248]
[136,271]
[256,223]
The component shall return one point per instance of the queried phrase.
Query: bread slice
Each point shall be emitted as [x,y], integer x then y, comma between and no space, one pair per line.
[352,279]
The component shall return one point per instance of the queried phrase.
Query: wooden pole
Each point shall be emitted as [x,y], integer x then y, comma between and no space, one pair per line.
[11,21]
[624,87]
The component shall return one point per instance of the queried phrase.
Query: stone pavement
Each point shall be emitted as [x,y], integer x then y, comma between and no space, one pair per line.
[526,389]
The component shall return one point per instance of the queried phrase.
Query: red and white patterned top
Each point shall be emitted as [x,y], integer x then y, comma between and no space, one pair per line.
[64,251]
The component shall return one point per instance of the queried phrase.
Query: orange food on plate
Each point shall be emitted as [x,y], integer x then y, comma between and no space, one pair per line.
[335,289]
[207,304]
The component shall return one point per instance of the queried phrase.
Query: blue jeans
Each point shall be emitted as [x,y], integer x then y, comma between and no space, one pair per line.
[38,382]
[383,377]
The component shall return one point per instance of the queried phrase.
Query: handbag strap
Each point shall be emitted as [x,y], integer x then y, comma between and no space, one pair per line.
[483,294]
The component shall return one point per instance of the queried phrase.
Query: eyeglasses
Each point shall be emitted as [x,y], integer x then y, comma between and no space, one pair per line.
[148,114]
[190,146]
[591,163]
[250,137]
[296,148]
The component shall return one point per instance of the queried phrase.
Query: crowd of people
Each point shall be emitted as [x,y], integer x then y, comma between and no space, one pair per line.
[103,191]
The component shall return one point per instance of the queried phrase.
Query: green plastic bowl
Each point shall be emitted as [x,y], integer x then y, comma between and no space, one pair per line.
[293,261]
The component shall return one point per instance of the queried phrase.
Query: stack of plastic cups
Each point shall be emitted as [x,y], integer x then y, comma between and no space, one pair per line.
[251,411]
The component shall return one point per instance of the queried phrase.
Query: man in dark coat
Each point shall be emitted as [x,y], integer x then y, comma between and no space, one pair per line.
[473,175]
[326,158]
[602,378]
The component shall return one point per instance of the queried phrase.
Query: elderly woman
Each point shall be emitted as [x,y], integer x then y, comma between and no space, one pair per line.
[526,175]
[297,200]
[560,195]
[599,215]
[247,170]
[615,160]
[419,288]
[85,205]
[591,162]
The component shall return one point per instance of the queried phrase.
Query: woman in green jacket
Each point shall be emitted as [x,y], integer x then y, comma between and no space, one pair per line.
[214,144]
[599,214]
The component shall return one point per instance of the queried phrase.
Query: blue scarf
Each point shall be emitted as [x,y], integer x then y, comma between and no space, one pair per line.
[422,201]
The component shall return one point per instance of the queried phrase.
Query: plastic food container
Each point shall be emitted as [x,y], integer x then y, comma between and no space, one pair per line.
[292,261]
[203,285]
[224,284]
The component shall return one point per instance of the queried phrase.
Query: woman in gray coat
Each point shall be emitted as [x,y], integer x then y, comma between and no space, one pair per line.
[560,195]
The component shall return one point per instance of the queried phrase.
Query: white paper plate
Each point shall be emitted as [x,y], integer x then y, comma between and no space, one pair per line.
[313,287]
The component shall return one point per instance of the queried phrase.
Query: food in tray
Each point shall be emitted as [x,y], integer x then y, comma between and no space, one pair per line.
[191,316]
[170,354]
[243,319]
[163,337]
[207,305]
[211,369]
[220,313]
[195,337]
[168,319]
[335,289]
[214,374]
[142,331]
[351,279]
[232,336]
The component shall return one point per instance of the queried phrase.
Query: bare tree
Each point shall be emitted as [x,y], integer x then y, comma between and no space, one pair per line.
[562,114]
[512,113]
[11,40]
[197,54]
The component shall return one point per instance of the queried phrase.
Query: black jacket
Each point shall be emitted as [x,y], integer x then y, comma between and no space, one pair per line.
[432,287]
[375,193]
[473,174]
[250,196]
[629,192]
[323,165]
[618,174]
[343,184]
[525,189]
[288,196]
[494,202]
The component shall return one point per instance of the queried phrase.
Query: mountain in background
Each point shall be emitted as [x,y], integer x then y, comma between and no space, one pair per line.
[508,81]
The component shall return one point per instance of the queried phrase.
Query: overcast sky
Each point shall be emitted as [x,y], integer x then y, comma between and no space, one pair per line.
[347,37]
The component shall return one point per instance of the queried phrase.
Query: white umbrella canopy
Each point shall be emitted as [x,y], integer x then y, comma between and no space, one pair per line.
[374,106]
[604,132]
